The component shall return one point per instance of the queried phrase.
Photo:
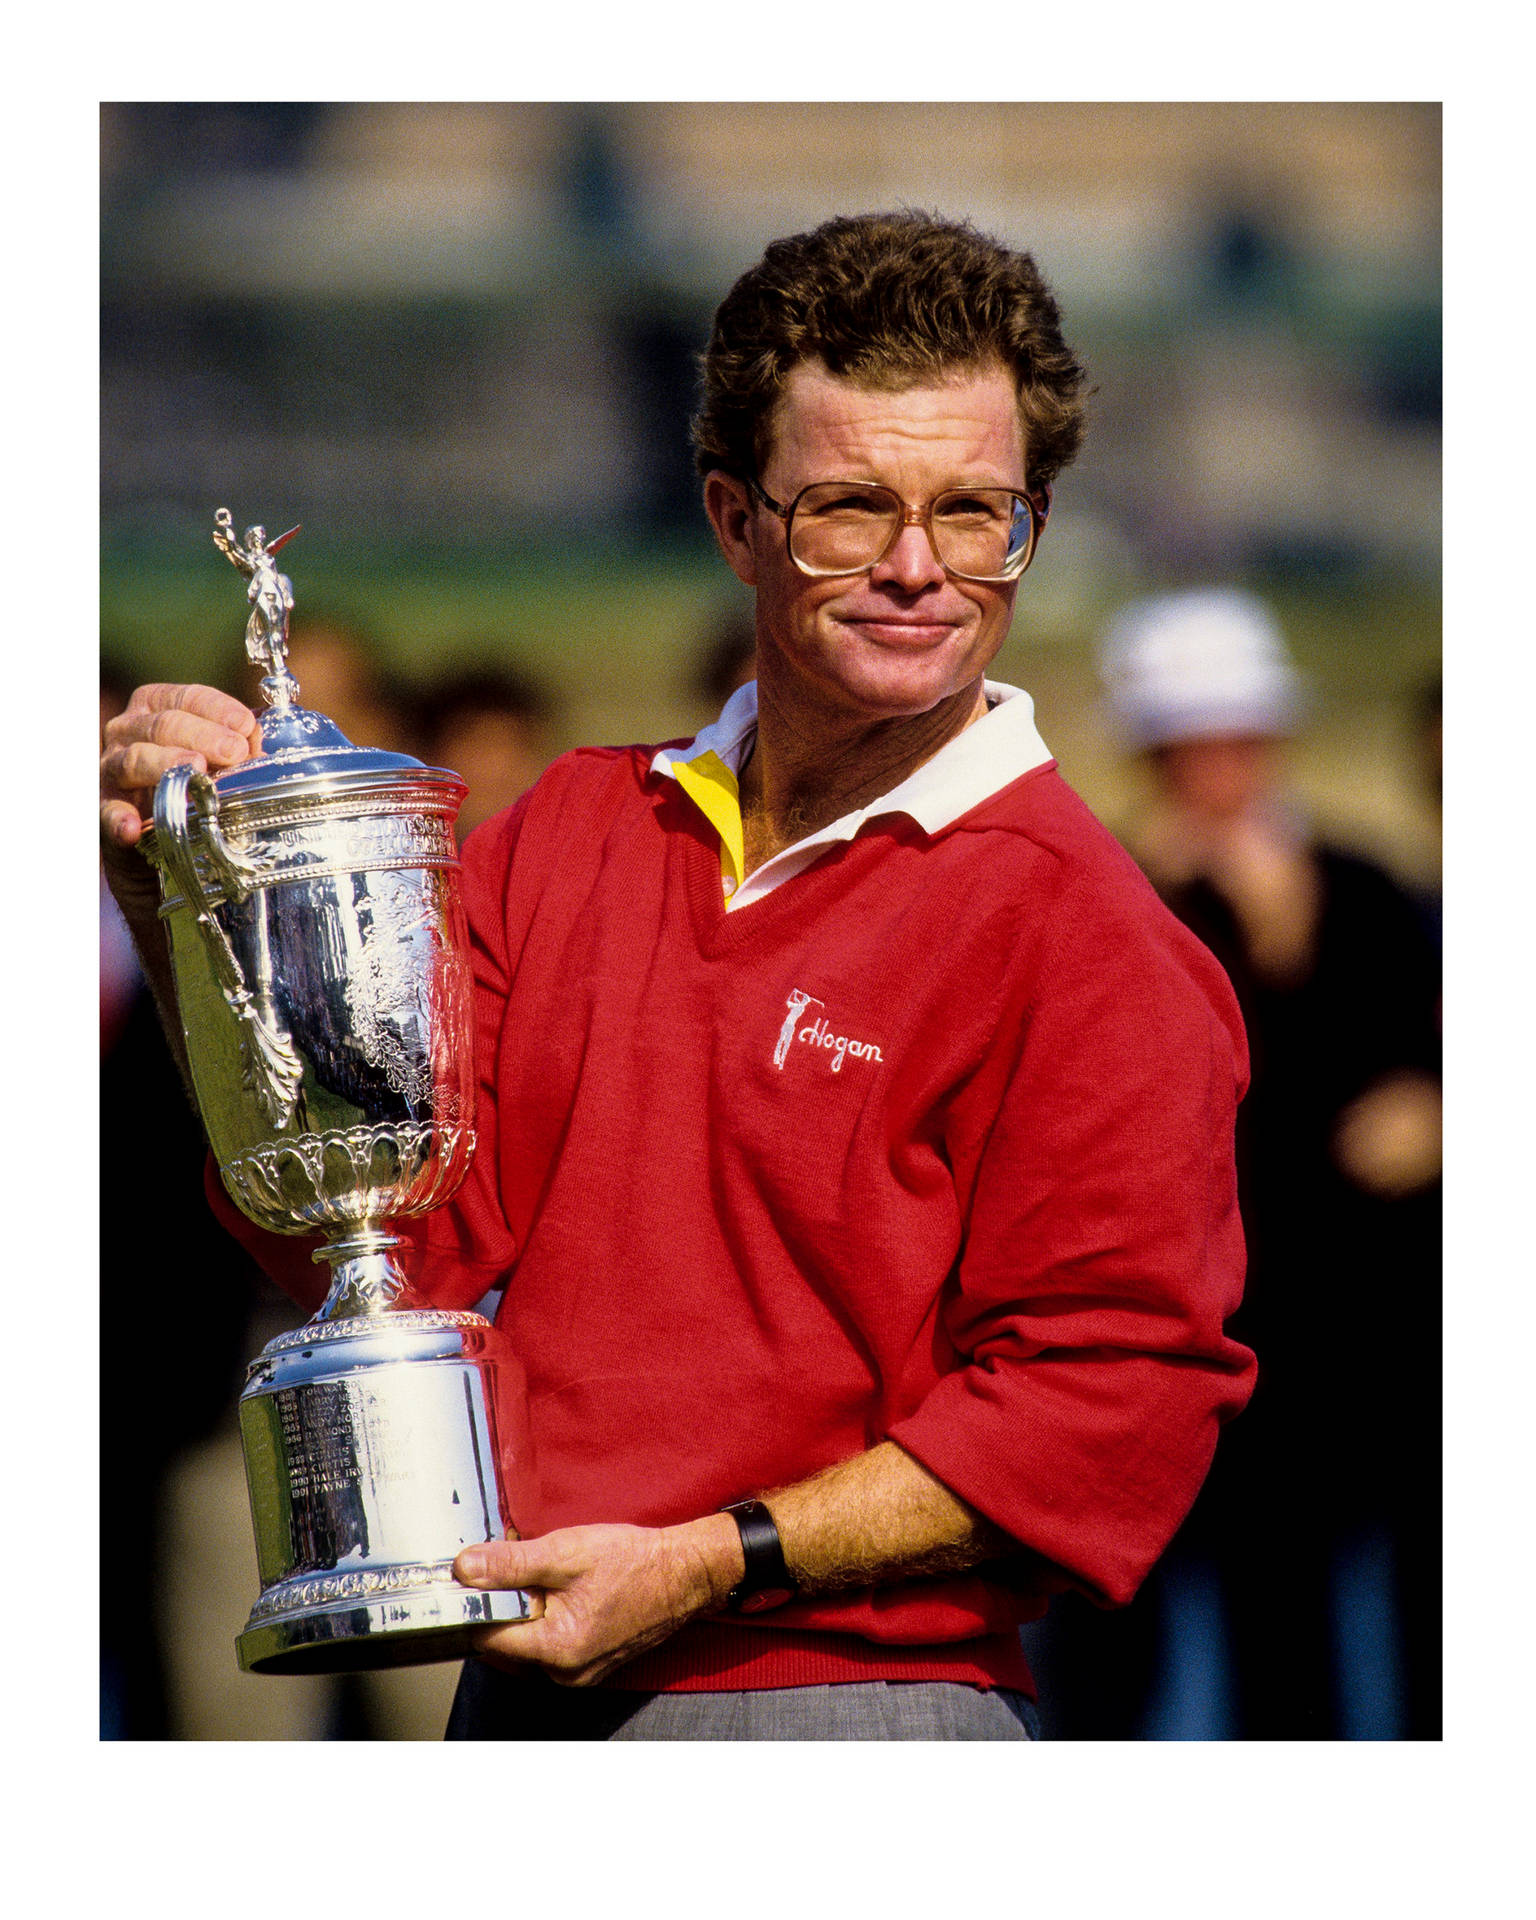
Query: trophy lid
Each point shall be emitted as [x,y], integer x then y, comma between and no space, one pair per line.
[300,745]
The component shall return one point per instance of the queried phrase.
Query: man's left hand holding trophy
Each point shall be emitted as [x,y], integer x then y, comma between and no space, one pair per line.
[163,726]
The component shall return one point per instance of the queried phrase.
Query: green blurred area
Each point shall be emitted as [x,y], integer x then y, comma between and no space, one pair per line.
[617,635]
[612,635]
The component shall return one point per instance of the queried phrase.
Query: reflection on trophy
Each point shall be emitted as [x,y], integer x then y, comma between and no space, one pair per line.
[317,932]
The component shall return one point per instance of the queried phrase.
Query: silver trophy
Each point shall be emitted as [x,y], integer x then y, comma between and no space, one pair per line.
[317,932]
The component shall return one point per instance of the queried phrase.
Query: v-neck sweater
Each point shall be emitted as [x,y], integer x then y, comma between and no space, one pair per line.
[931,1144]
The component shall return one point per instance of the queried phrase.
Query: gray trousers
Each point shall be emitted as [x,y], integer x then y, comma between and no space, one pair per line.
[493,1705]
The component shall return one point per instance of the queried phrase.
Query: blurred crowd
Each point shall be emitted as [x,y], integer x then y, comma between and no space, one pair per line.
[1301,1599]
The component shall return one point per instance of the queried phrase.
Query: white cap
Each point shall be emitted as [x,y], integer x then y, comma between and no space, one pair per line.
[1185,666]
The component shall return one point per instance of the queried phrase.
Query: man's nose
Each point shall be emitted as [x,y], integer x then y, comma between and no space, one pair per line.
[911,563]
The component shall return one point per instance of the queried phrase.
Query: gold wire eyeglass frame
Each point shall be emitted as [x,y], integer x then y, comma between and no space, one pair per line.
[908,516]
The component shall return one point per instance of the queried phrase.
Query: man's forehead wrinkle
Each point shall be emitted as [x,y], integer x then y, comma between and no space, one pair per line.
[811,394]
[953,418]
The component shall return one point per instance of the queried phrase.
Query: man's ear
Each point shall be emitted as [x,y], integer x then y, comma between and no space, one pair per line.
[729,506]
[1040,500]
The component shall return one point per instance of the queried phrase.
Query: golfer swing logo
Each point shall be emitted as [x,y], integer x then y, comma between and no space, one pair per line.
[818,1034]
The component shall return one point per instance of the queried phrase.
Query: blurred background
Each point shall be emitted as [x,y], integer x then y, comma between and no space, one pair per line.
[456,341]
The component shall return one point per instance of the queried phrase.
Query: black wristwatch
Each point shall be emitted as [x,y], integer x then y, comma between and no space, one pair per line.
[767,1582]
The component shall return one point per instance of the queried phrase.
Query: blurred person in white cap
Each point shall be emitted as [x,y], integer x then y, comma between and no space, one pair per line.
[1200,683]
[1311,1553]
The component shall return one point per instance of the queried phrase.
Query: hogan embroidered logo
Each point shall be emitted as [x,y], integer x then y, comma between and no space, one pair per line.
[818,1034]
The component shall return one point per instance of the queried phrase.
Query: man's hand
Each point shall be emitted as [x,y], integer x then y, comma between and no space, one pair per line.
[612,1591]
[609,1591]
[165,726]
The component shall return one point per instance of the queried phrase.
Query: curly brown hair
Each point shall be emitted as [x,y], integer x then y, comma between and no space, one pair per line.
[887,299]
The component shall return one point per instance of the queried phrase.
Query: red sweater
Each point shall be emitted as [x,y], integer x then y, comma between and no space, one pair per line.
[932,1143]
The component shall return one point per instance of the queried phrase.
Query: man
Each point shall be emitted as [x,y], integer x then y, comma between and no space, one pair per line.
[856,1126]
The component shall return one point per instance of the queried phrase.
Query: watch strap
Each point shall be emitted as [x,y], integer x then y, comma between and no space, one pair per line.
[766,1580]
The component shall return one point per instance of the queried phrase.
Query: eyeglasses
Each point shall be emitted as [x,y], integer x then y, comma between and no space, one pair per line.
[849,526]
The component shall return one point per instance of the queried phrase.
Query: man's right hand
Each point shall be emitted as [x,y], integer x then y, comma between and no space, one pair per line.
[162,727]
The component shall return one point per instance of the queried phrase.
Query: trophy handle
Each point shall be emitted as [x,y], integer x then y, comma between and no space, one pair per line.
[273,1070]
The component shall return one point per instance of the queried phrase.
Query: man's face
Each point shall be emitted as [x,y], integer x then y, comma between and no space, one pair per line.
[893,642]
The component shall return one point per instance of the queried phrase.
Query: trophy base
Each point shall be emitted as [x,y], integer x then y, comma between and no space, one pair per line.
[406,1628]
[372,1448]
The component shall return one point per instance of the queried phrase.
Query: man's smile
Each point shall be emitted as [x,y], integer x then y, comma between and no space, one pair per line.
[900,630]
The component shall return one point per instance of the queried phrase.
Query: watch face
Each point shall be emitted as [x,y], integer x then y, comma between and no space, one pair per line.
[764,1598]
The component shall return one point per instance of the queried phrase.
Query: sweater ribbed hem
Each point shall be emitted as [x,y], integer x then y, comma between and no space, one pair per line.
[717,1656]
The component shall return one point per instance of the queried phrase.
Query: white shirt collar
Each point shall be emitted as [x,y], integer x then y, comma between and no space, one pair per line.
[987,756]
[977,763]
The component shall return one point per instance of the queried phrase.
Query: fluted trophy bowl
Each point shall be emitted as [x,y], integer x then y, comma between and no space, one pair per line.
[317,933]
[318,939]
